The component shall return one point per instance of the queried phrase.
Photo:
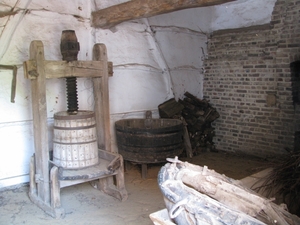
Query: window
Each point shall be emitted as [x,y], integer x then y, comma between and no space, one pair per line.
[295,73]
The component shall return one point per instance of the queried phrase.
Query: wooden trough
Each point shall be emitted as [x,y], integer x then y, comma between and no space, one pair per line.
[197,195]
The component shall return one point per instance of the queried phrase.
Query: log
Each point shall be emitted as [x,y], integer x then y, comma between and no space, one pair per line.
[135,9]
[199,115]
[170,108]
[187,142]
[192,109]
[196,101]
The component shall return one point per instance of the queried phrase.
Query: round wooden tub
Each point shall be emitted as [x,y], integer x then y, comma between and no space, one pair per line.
[149,140]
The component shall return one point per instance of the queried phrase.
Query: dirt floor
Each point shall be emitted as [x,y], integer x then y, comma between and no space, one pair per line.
[85,205]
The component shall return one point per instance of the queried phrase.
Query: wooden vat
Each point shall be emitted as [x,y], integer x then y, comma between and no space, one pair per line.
[75,140]
[149,140]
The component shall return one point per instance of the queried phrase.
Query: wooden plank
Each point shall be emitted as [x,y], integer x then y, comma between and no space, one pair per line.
[67,183]
[92,172]
[135,9]
[101,96]
[64,69]
[40,130]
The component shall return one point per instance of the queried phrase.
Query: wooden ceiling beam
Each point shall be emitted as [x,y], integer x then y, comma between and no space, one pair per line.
[135,9]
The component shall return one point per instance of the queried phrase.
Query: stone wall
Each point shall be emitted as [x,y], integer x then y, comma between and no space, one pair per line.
[248,80]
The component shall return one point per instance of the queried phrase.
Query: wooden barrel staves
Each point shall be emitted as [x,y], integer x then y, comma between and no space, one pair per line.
[75,140]
[149,140]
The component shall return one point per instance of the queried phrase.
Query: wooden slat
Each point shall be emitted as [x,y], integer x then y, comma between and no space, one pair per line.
[135,9]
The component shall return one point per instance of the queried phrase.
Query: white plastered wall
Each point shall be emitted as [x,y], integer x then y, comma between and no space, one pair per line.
[154,59]
[35,20]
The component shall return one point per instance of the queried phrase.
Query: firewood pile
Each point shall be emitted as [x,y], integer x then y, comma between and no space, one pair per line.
[198,115]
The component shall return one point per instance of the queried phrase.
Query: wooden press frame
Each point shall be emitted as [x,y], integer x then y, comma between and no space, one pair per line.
[45,184]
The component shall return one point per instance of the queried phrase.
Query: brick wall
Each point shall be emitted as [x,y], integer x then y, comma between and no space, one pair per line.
[248,80]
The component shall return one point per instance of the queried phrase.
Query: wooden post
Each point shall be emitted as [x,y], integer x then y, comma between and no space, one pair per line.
[39,110]
[120,180]
[32,184]
[101,96]
[55,189]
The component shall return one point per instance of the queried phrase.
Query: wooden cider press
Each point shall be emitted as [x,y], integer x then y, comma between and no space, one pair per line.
[75,137]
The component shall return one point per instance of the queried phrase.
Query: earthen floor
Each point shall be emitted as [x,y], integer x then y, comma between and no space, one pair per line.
[85,205]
